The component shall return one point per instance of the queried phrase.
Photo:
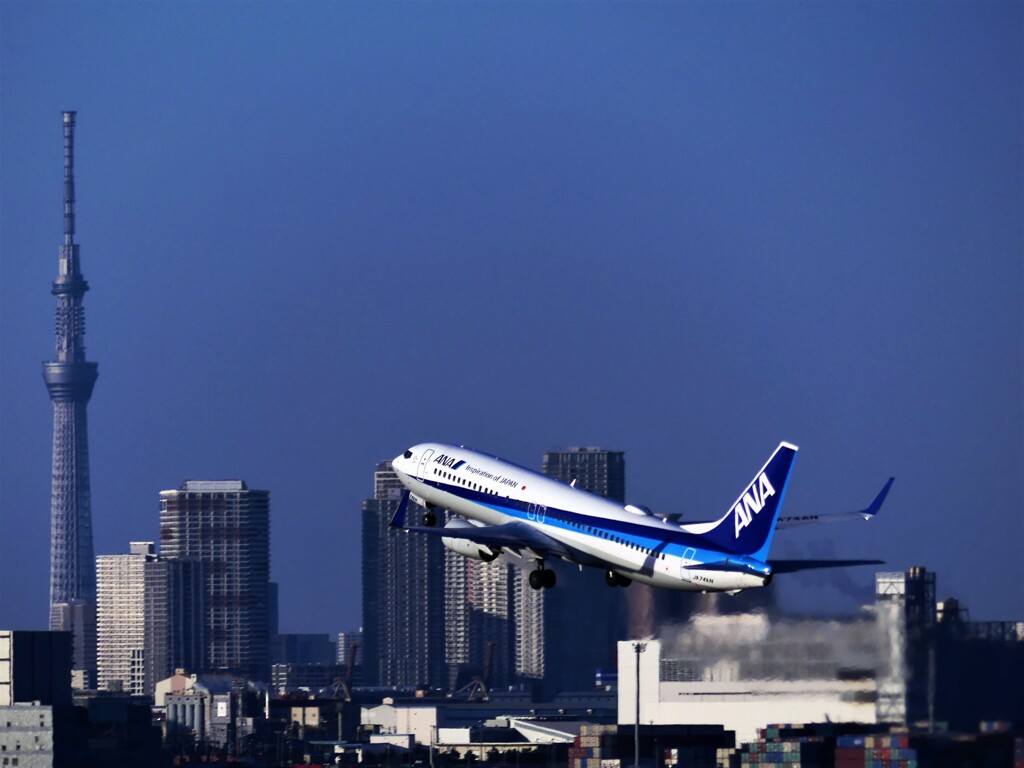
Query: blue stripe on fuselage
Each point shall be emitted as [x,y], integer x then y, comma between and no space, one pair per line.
[644,537]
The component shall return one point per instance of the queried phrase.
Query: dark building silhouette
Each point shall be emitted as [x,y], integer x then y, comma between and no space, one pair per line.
[403,595]
[944,668]
[582,602]
[226,526]
[69,381]
[35,666]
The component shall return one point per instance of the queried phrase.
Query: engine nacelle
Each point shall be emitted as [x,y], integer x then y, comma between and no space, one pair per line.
[465,547]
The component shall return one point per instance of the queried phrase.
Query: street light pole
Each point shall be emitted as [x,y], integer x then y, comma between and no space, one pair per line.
[638,648]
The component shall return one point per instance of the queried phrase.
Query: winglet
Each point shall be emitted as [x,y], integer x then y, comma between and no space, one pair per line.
[876,505]
[398,519]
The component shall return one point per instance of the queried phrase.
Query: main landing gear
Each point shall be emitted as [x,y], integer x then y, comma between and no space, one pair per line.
[613,579]
[542,578]
[429,518]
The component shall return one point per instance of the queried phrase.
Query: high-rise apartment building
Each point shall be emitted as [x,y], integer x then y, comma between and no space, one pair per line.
[69,380]
[346,642]
[403,595]
[175,607]
[226,526]
[596,470]
[121,619]
[480,620]
[582,602]
[149,618]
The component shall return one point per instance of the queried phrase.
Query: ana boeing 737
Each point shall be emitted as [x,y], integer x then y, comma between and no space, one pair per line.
[499,507]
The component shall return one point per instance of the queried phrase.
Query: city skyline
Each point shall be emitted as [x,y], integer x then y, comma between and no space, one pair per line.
[685,232]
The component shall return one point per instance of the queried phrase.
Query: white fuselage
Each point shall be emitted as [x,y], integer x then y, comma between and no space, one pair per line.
[595,531]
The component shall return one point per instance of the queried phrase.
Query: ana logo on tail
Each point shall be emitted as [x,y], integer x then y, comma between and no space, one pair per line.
[752,502]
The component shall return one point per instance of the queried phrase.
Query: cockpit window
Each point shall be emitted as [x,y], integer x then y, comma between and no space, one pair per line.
[408,454]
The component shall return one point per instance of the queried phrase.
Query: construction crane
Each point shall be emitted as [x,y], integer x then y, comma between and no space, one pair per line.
[341,688]
[477,688]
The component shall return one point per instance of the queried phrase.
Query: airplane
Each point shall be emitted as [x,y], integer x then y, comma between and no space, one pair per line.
[503,508]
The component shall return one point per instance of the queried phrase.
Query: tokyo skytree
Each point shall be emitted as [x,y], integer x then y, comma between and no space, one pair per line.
[69,380]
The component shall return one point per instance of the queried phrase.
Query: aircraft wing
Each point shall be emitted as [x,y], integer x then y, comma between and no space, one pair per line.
[867,513]
[792,566]
[512,536]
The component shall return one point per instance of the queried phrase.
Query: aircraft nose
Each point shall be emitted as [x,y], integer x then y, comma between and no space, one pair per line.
[402,461]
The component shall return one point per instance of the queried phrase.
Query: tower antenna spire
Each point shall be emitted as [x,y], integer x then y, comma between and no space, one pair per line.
[69,177]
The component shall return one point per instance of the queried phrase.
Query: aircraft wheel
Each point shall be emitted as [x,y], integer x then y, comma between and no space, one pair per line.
[614,579]
[548,578]
[429,518]
[536,579]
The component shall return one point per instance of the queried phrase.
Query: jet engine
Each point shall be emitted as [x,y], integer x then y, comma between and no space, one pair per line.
[465,547]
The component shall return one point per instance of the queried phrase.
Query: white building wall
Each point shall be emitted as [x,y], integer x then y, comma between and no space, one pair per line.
[383,716]
[26,734]
[419,722]
[120,622]
[741,706]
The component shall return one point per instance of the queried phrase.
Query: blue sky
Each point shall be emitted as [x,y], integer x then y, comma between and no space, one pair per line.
[317,233]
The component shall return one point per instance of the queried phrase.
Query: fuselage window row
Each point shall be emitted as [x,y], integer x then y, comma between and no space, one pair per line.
[558,515]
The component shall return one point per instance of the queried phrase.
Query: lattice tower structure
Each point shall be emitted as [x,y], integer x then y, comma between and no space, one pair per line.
[69,379]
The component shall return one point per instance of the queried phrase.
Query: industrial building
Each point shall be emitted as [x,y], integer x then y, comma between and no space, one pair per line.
[742,701]
[940,667]
[900,662]
[216,711]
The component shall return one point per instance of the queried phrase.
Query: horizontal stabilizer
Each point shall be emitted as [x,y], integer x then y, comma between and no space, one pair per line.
[793,566]
[732,566]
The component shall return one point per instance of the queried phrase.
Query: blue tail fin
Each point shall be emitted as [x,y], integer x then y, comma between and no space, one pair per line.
[747,528]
